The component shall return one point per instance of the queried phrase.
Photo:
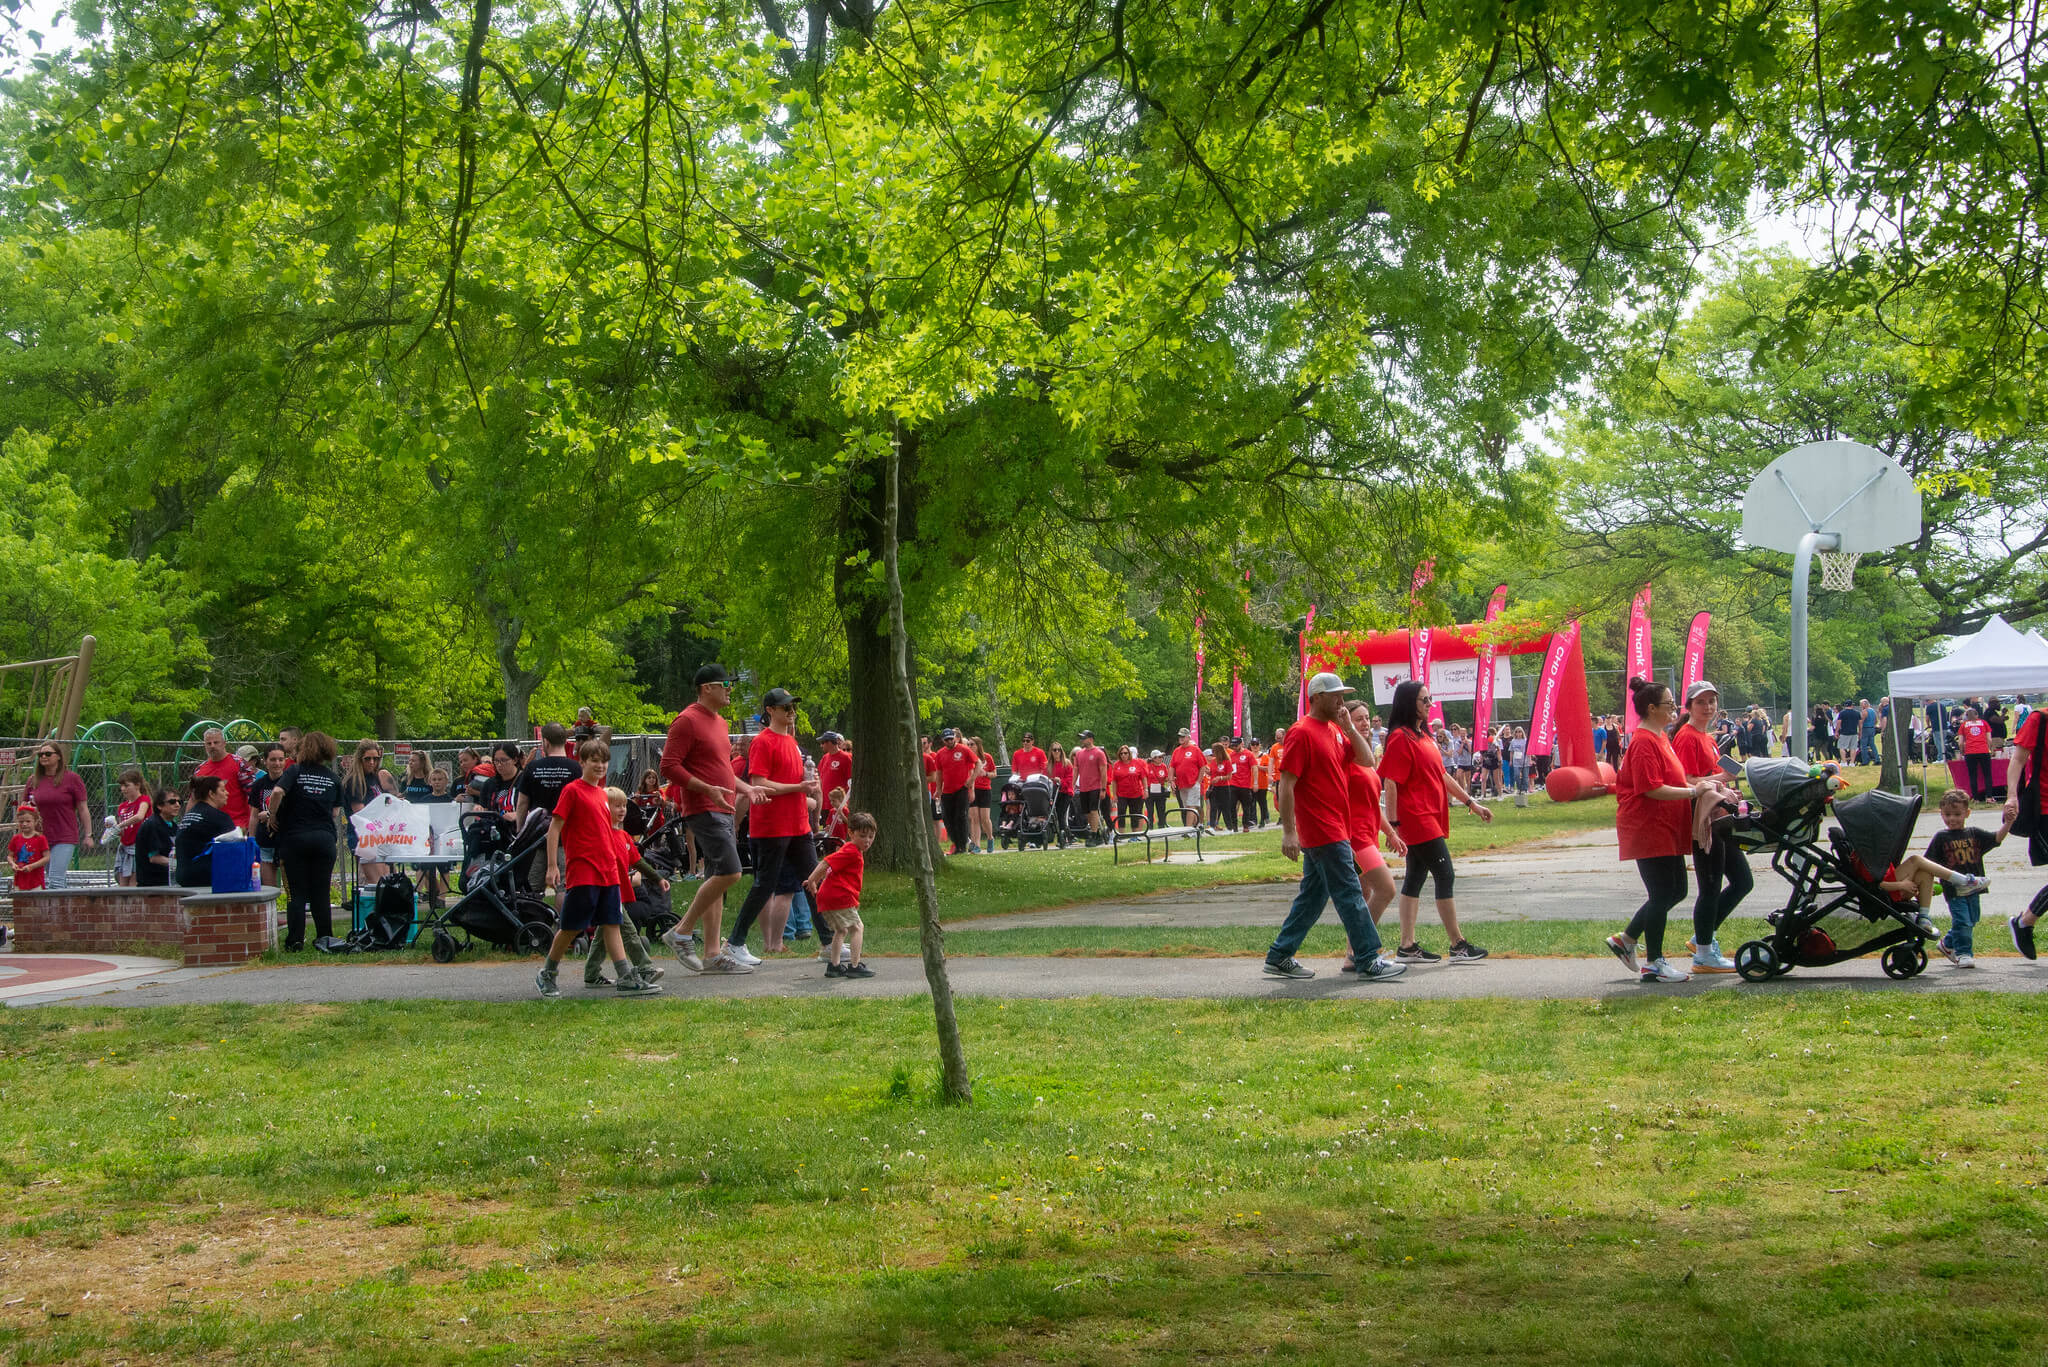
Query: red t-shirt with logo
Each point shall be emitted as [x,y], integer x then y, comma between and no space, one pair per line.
[984,774]
[126,810]
[836,771]
[1028,761]
[1977,737]
[1156,775]
[1129,777]
[699,744]
[26,849]
[1696,754]
[1187,766]
[228,770]
[1322,796]
[841,888]
[1416,767]
[584,816]
[1091,768]
[956,768]
[1241,765]
[774,756]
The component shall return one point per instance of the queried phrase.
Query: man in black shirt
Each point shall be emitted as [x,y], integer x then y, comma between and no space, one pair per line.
[155,839]
[540,786]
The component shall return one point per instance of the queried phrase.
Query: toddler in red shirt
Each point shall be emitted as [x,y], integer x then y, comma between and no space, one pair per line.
[631,867]
[835,886]
[28,854]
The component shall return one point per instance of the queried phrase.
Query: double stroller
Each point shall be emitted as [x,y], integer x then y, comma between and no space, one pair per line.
[1841,874]
[496,906]
[1026,812]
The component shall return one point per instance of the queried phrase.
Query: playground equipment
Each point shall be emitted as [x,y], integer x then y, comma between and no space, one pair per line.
[1577,771]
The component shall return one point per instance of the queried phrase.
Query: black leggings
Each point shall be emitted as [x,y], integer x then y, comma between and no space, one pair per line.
[1724,878]
[776,858]
[308,859]
[1155,806]
[1263,816]
[1664,882]
[1432,859]
[1978,767]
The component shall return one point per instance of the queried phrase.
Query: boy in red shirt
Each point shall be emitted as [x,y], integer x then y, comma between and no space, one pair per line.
[631,866]
[582,827]
[835,886]
[28,854]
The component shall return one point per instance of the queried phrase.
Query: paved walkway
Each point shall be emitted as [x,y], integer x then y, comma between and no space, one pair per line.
[1575,877]
[1011,978]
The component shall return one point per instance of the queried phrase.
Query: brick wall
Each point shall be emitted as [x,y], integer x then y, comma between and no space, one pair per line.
[203,928]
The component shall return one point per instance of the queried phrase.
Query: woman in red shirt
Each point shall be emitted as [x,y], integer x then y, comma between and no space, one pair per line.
[1127,778]
[1419,817]
[980,808]
[1976,736]
[1363,781]
[1061,769]
[1654,822]
[1722,871]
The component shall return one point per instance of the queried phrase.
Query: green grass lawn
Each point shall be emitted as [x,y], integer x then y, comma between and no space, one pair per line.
[1810,1179]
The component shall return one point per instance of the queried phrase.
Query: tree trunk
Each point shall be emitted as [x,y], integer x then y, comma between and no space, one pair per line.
[1891,744]
[995,712]
[955,1085]
[520,684]
[882,759]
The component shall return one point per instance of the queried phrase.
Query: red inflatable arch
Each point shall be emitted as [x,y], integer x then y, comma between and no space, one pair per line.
[1576,770]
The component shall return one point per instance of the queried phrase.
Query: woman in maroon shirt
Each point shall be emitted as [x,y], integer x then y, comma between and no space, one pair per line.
[58,795]
[1654,822]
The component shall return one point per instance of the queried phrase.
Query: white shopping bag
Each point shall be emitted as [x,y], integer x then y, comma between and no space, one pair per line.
[444,819]
[389,828]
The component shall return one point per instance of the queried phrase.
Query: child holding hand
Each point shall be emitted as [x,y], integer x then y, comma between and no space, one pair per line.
[1962,847]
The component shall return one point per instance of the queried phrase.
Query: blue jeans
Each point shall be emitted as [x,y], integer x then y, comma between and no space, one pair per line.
[1964,913]
[1328,874]
[57,874]
[799,913]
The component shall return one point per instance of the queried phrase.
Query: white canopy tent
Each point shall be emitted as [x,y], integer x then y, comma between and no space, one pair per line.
[1998,659]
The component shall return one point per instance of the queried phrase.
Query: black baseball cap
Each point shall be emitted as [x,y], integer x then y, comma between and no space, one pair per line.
[711,674]
[779,697]
[831,735]
[1086,735]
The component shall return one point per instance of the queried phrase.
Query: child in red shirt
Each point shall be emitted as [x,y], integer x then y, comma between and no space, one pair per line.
[835,886]
[582,827]
[28,854]
[631,867]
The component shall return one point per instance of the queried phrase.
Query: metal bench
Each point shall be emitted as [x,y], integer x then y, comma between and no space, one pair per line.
[1135,826]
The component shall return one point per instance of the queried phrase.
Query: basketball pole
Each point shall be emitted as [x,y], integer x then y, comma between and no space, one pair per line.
[1802,572]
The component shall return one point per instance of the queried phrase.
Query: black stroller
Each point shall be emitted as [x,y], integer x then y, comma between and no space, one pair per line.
[1841,876]
[1026,816]
[496,905]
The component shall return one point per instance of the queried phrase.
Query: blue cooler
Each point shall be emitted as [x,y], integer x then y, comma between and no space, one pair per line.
[234,865]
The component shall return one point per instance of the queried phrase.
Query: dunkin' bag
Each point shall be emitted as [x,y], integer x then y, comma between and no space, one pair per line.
[390,829]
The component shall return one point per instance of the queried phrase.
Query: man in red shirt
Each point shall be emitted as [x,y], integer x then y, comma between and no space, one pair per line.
[1315,827]
[1091,783]
[1243,767]
[580,839]
[835,770]
[2030,752]
[955,764]
[1029,760]
[697,758]
[778,824]
[225,767]
[1186,763]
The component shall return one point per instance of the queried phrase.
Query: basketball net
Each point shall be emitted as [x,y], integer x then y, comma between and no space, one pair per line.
[1838,570]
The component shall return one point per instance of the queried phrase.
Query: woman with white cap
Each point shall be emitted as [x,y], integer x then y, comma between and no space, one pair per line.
[1722,870]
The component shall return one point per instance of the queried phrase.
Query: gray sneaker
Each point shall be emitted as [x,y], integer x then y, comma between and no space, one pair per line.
[545,981]
[652,973]
[725,963]
[633,985]
[1381,970]
[1288,968]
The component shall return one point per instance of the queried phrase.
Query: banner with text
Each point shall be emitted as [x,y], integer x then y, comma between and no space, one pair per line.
[1638,655]
[1695,652]
[1543,718]
[1482,705]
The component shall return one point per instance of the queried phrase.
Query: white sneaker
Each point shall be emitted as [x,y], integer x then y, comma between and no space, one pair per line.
[1711,960]
[1972,886]
[1661,971]
[740,954]
[725,963]
[1966,961]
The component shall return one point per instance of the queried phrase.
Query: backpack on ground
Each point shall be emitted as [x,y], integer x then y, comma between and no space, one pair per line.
[389,923]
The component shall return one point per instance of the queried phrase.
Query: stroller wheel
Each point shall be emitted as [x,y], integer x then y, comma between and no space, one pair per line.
[1903,961]
[443,950]
[533,938]
[1756,961]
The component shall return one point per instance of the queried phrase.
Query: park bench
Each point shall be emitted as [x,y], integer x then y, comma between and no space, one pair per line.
[1135,826]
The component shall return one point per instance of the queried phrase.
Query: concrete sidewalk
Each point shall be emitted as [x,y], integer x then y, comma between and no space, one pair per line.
[1010,978]
[1575,877]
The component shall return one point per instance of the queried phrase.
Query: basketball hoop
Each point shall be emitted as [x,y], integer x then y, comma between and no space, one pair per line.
[1838,570]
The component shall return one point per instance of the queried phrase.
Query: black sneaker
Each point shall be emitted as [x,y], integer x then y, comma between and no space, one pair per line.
[1288,968]
[599,981]
[2022,937]
[859,970]
[834,971]
[1465,952]
[1416,954]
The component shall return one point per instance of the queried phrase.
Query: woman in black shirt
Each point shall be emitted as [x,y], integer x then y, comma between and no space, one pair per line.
[197,830]
[302,809]
[156,840]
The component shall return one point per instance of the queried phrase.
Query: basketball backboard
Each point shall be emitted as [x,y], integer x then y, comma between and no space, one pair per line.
[1844,487]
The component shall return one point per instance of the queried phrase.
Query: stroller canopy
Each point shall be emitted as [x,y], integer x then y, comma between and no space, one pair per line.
[1878,825]
[1782,784]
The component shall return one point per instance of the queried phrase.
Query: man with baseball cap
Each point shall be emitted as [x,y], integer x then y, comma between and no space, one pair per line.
[1091,783]
[778,824]
[1186,764]
[957,764]
[1315,827]
[697,757]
